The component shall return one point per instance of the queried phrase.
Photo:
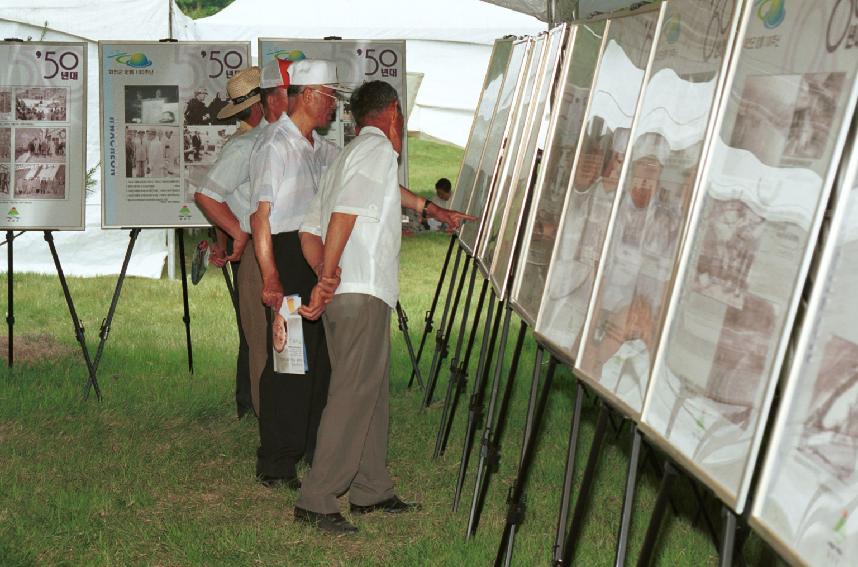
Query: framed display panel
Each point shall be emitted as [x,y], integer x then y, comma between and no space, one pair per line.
[159,128]
[521,179]
[567,117]
[511,152]
[593,184]
[498,133]
[635,275]
[42,135]
[762,200]
[358,61]
[480,126]
[806,502]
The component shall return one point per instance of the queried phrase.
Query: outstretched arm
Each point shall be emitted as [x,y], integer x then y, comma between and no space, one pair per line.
[451,218]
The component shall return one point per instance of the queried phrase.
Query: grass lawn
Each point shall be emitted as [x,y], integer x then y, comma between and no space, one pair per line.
[161,473]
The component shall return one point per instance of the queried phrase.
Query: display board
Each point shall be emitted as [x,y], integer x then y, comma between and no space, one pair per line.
[495,74]
[753,232]
[522,177]
[635,276]
[498,133]
[806,503]
[358,60]
[159,128]
[580,56]
[511,153]
[593,184]
[42,135]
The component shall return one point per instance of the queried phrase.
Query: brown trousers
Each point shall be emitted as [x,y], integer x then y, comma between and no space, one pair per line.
[351,446]
[252,313]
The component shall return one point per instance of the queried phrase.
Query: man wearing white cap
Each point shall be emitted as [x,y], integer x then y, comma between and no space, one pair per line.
[224,197]
[286,164]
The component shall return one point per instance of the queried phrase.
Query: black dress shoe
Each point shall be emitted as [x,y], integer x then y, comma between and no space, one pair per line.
[290,482]
[334,523]
[392,505]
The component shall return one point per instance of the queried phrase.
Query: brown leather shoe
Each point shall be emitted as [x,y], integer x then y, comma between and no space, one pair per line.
[393,505]
[333,523]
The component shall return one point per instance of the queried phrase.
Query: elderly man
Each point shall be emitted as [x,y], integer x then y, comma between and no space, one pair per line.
[354,225]
[224,197]
[286,164]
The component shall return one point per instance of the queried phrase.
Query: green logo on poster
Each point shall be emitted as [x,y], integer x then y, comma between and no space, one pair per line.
[672,28]
[184,213]
[12,215]
[287,54]
[771,12]
[136,60]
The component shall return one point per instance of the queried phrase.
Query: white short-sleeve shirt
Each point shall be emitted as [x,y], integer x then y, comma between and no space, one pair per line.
[228,181]
[285,170]
[364,181]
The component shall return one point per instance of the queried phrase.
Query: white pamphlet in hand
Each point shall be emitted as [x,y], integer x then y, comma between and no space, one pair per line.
[288,338]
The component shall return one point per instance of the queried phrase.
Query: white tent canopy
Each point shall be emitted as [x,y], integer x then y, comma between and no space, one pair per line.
[448,41]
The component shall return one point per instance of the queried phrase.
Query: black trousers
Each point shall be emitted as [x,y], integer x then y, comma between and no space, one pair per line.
[291,404]
[243,401]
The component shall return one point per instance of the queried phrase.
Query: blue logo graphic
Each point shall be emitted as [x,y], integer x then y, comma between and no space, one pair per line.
[771,12]
[136,60]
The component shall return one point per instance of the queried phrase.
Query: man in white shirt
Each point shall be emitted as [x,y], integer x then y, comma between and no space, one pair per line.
[224,197]
[354,224]
[286,164]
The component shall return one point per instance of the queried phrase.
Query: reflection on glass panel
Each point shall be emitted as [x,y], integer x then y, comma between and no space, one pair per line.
[664,160]
[523,181]
[581,55]
[482,119]
[494,141]
[511,154]
[603,148]
[747,258]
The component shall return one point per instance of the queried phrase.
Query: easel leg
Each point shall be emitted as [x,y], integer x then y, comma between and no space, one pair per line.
[104,332]
[729,538]
[402,319]
[187,313]
[10,296]
[516,500]
[430,315]
[440,339]
[78,328]
[446,329]
[475,408]
[658,511]
[582,501]
[492,439]
[461,372]
[628,500]
[457,372]
[568,475]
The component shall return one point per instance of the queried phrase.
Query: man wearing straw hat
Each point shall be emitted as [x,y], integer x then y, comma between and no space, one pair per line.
[286,165]
[224,197]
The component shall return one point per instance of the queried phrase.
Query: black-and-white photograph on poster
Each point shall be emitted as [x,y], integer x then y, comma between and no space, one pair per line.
[754,229]
[161,100]
[806,502]
[40,181]
[43,137]
[358,60]
[5,144]
[148,104]
[40,145]
[5,104]
[154,151]
[40,104]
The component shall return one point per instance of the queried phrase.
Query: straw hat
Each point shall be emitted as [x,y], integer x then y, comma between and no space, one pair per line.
[243,90]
